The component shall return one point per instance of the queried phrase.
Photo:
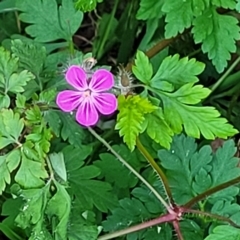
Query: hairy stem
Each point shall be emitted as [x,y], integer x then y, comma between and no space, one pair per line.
[212,215]
[156,167]
[223,77]
[211,191]
[153,190]
[177,229]
[163,219]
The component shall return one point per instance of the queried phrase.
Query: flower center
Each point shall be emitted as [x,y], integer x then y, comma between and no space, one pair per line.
[87,93]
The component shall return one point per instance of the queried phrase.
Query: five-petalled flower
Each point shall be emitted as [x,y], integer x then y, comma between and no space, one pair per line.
[89,97]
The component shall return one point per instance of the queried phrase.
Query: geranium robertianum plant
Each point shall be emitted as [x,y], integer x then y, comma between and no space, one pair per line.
[89,152]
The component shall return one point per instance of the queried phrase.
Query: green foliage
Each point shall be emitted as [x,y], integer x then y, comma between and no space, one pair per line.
[85,5]
[11,81]
[150,9]
[158,129]
[115,172]
[216,38]
[130,211]
[224,232]
[59,182]
[209,27]
[49,22]
[178,111]
[31,56]
[59,216]
[177,71]
[143,69]
[8,163]
[88,192]
[197,171]
[11,126]
[131,117]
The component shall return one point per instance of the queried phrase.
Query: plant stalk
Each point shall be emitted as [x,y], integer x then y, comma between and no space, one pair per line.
[153,190]
[211,191]
[223,77]
[156,167]
[165,218]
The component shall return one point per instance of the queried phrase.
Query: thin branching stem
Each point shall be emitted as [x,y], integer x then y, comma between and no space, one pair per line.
[212,215]
[124,162]
[210,191]
[156,167]
[163,219]
[223,77]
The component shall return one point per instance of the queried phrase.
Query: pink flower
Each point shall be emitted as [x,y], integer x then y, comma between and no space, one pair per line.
[90,97]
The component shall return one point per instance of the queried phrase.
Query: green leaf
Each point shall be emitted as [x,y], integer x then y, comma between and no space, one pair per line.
[218,34]
[195,119]
[191,230]
[129,211]
[88,192]
[85,5]
[182,13]
[48,22]
[20,101]
[10,80]
[35,201]
[189,94]
[57,161]
[178,71]
[32,212]
[142,68]
[238,6]
[16,82]
[4,101]
[150,9]
[8,163]
[31,56]
[223,232]
[83,232]
[231,4]
[198,171]
[115,172]
[7,5]
[31,173]
[11,126]
[8,65]
[58,208]
[133,211]
[227,209]
[64,125]
[158,129]
[150,201]
[81,224]
[131,117]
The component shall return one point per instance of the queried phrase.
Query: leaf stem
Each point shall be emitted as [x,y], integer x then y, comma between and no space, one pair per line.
[223,77]
[211,191]
[50,169]
[153,190]
[165,218]
[156,167]
[216,216]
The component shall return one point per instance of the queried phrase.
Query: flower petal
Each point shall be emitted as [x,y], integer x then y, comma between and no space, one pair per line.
[102,80]
[106,103]
[68,100]
[77,77]
[87,114]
